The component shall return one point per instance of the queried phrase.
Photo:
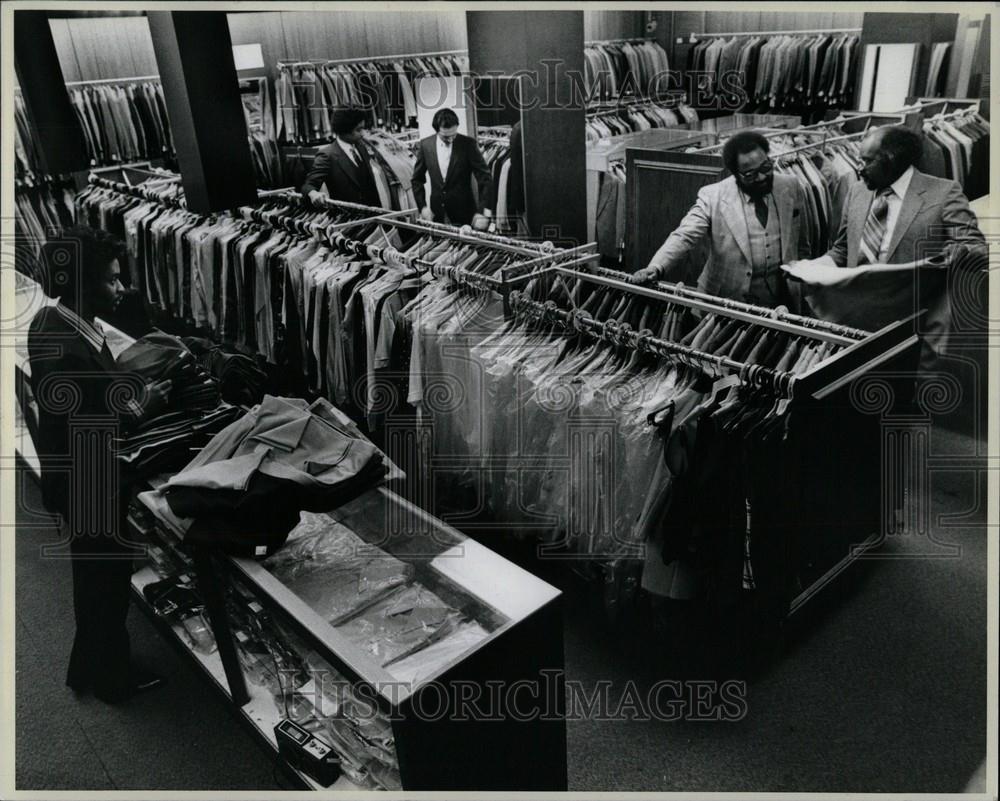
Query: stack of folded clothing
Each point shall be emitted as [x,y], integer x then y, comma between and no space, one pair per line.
[165,443]
[159,356]
[245,490]
[195,412]
[241,380]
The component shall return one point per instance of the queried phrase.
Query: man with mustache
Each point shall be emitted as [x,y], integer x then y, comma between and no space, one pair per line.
[753,222]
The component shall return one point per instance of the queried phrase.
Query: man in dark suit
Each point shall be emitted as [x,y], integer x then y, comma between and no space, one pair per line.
[345,165]
[452,160]
[84,401]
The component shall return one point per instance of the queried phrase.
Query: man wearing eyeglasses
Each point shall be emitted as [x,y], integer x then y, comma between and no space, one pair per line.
[754,223]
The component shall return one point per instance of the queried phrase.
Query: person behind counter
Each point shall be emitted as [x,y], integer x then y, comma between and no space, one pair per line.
[754,224]
[452,160]
[84,401]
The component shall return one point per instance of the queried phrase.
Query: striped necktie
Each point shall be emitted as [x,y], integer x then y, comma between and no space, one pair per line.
[874,232]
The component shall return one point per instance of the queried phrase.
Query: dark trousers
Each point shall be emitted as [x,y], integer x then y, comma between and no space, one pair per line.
[102,573]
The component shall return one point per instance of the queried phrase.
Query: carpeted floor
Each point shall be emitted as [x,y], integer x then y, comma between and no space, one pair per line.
[882,687]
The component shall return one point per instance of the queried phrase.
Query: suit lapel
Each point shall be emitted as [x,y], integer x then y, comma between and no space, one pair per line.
[856,221]
[912,203]
[735,219]
[432,156]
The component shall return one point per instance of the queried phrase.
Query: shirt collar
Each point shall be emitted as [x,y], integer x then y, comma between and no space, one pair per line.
[90,331]
[902,183]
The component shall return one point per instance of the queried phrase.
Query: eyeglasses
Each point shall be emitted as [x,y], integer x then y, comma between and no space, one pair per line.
[765,169]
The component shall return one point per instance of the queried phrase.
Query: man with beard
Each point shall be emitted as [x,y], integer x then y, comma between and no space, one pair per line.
[754,223]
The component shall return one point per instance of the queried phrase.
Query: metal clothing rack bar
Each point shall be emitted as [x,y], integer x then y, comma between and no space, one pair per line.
[761,315]
[782,383]
[137,79]
[694,37]
[822,143]
[510,244]
[627,39]
[286,62]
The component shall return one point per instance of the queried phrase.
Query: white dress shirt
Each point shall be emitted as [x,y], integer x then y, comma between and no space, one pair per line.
[348,148]
[894,202]
[444,156]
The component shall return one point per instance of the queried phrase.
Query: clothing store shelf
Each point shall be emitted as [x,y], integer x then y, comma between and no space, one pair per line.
[518,615]
[259,715]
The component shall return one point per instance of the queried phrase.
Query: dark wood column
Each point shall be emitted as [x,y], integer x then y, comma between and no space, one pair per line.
[546,49]
[56,127]
[195,59]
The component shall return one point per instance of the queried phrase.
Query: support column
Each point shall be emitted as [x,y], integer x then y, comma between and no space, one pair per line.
[56,126]
[195,58]
[546,48]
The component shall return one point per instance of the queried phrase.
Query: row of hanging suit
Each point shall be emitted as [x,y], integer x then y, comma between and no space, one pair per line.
[802,74]
[638,117]
[308,94]
[616,69]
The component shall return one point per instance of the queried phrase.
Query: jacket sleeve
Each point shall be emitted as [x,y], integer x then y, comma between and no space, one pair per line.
[484,178]
[838,250]
[419,175]
[961,222]
[318,173]
[695,226]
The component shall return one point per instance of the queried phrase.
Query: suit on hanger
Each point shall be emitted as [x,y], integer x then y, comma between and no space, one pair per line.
[933,213]
[718,216]
[451,194]
[345,180]
[81,395]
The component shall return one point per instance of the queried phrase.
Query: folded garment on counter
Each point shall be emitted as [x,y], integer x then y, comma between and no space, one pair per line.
[409,619]
[248,485]
[333,570]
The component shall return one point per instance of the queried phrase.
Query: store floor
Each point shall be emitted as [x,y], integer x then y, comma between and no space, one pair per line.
[883,688]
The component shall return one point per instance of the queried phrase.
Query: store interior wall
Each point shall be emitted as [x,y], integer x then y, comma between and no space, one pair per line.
[96,48]
[599,25]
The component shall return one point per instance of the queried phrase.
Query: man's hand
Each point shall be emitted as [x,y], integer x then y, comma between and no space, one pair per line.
[156,397]
[647,275]
[316,197]
[427,214]
[954,252]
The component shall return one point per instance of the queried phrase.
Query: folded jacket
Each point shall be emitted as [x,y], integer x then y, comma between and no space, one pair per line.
[409,619]
[333,570]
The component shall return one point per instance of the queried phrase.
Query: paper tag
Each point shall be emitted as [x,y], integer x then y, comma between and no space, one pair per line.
[260,550]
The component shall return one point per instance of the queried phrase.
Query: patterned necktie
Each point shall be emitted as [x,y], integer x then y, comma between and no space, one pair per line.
[874,232]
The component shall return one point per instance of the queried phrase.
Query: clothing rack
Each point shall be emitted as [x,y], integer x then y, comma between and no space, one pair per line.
[694,37]
[141,191]
[822,143]
[467,234]
[621,334]
[625,40]
[137,79]
[287,62]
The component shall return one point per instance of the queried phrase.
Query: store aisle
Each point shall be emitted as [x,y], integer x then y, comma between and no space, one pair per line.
[883,690]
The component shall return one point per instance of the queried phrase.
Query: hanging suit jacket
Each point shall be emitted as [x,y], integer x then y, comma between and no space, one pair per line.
[452,193]
[84,400]
[934,212]
[718,216]
[344,180]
